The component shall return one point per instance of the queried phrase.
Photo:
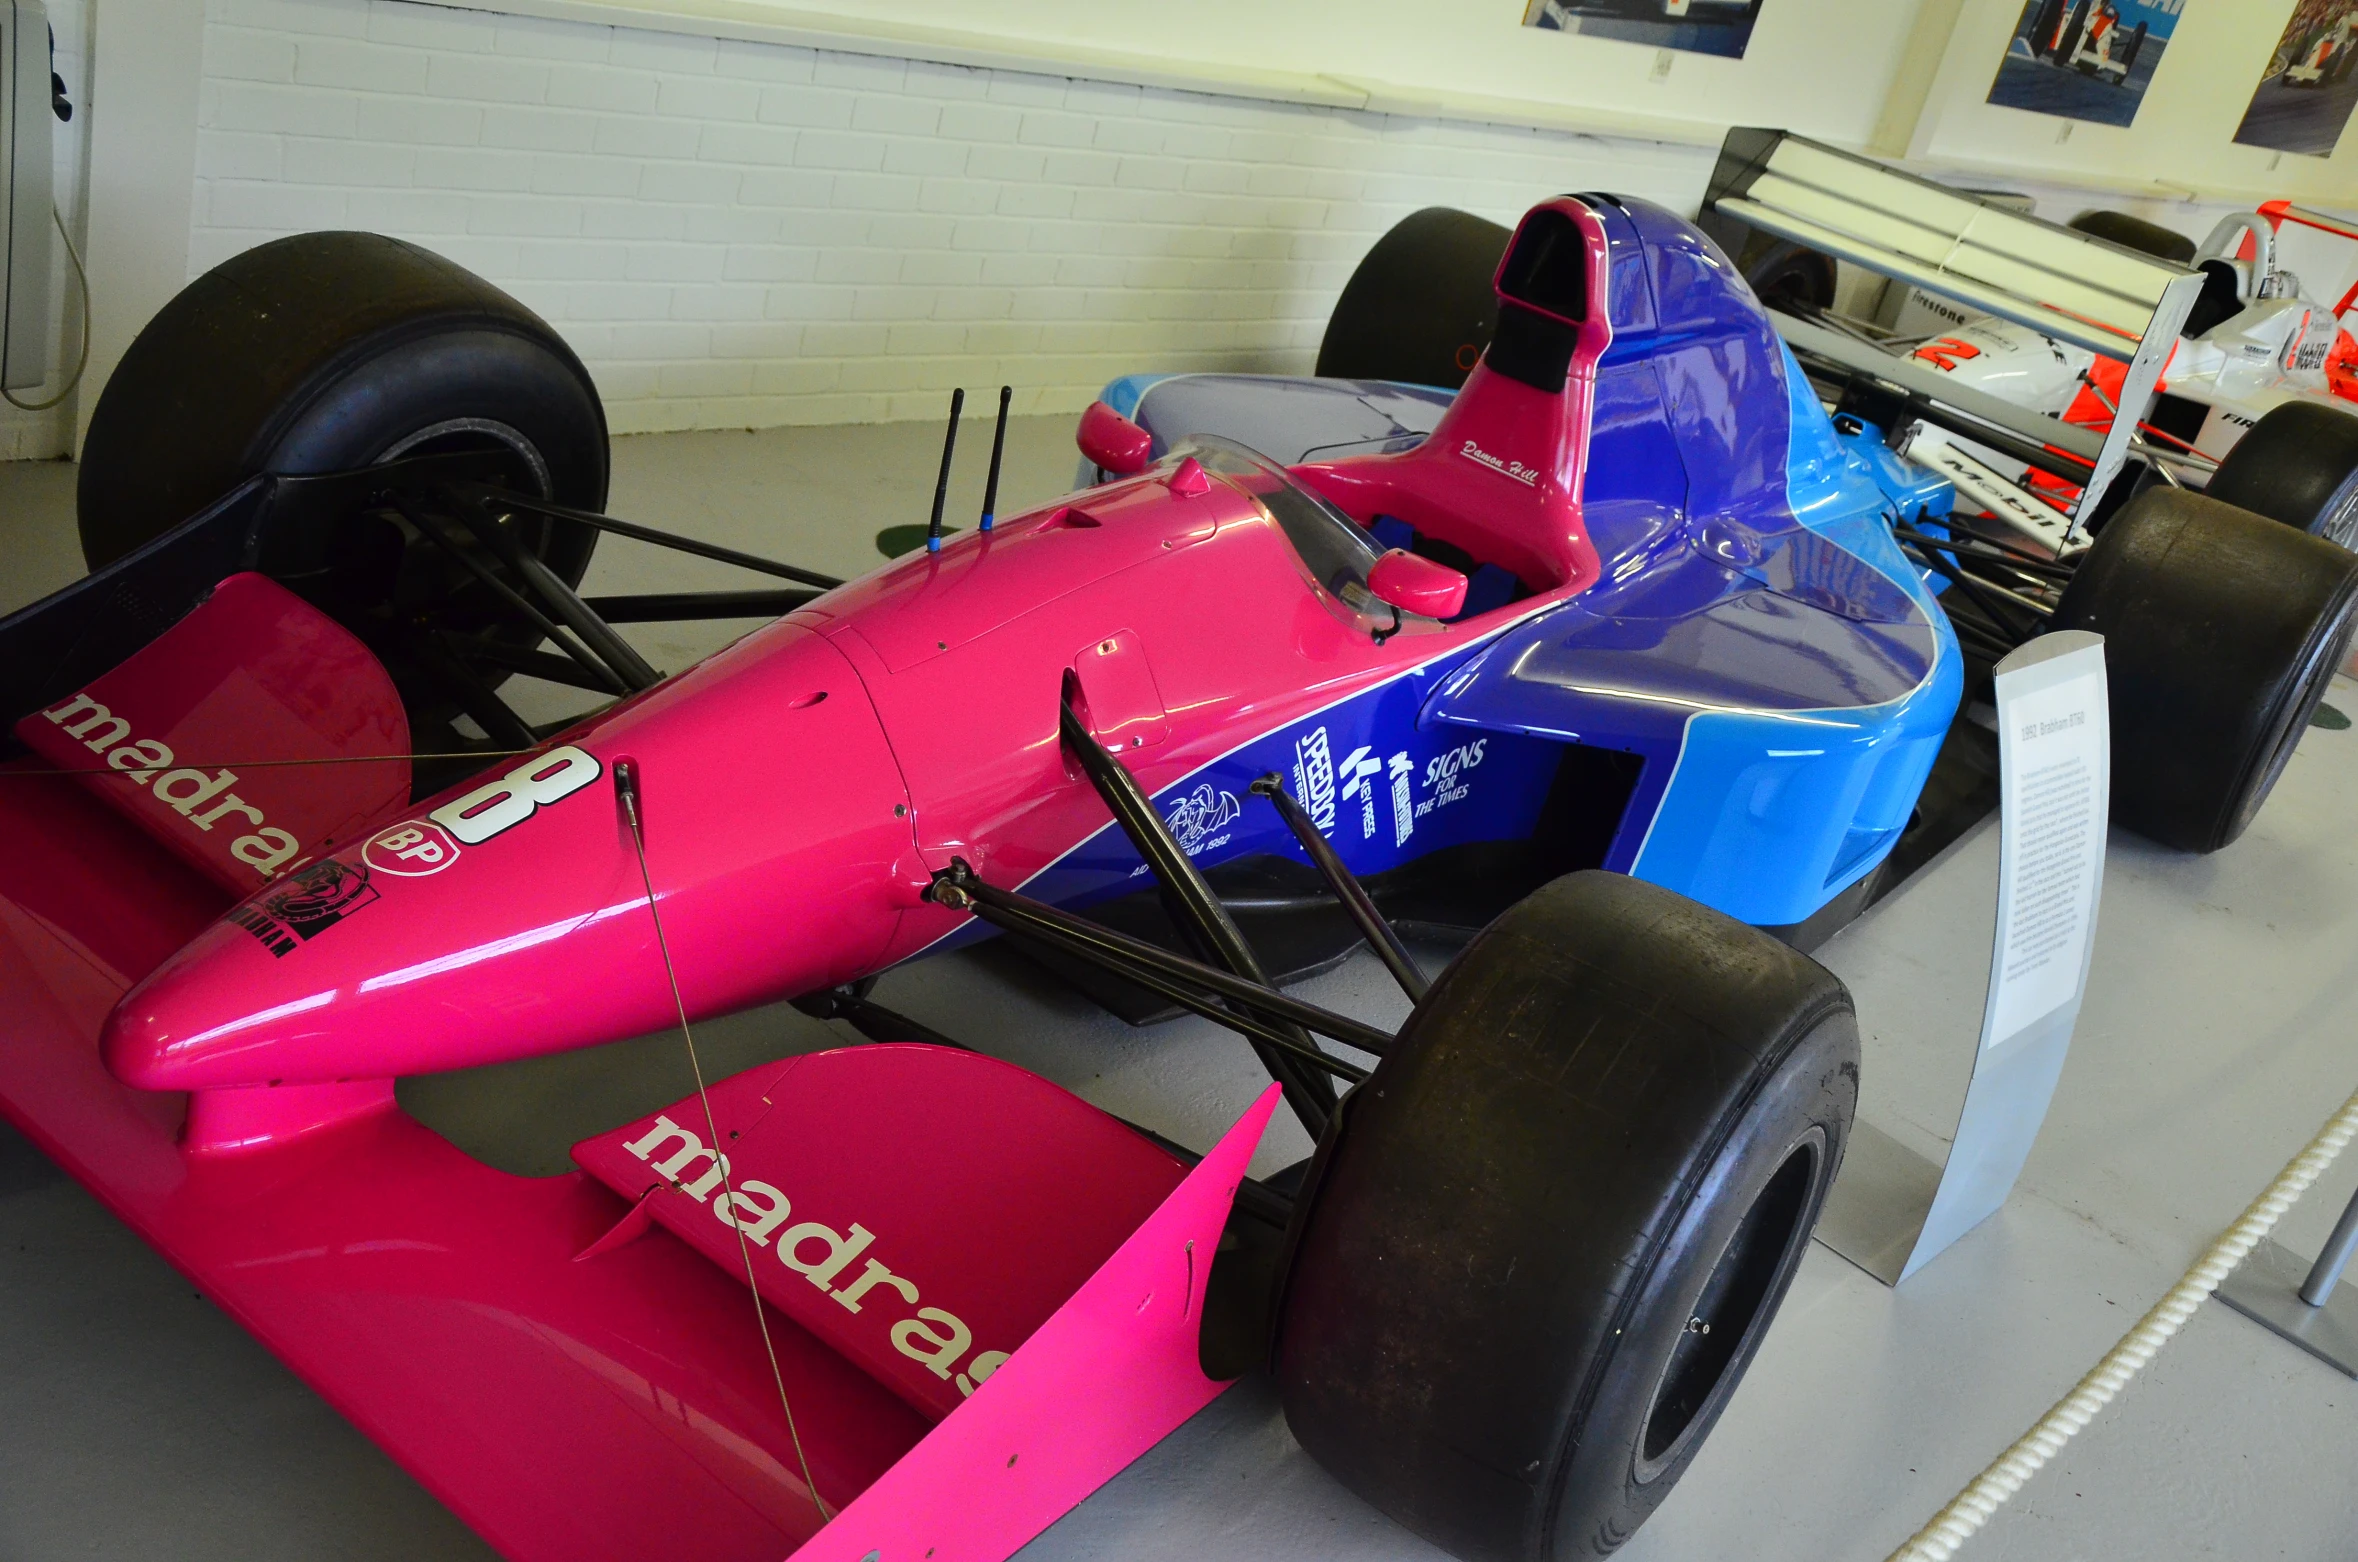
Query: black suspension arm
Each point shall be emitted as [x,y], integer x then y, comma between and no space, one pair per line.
[473,695]
[672,607]
[430,527]
[562,600]
[1199,911]
[661,539]
[951,890]
[960,886]
[1347,889]
[1965,545]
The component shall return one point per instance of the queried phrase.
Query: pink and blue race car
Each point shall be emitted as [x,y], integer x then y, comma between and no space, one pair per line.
[1627,601]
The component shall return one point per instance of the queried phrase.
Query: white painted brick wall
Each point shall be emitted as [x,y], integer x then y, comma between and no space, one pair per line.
[31,436]
[737,234]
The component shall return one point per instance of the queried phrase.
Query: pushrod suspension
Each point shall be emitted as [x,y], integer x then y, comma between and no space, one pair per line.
[661,539]
[1195,909]
[959,886]
[609,647]
[1347,889]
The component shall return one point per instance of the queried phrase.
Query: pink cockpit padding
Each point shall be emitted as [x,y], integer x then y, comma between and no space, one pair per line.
[246,737]
[919,1208]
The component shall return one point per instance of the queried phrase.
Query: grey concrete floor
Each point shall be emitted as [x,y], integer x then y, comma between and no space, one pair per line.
[137,1422]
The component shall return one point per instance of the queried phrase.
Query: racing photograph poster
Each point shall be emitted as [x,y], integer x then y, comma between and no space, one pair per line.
[1721,27]
[2306,93]
[2084,59]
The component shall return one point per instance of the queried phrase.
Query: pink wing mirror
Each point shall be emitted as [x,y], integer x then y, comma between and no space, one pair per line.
[1112,442]
[1415,584]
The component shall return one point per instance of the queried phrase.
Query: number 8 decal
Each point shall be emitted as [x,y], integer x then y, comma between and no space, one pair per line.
[509,801]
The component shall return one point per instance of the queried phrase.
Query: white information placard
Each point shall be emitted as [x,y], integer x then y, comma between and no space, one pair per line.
[1892,1211]
[2054,789]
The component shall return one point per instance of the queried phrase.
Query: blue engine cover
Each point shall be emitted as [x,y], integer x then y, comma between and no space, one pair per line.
[1758,640]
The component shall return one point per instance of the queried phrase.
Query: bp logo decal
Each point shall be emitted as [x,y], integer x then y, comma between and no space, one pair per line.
[410,850]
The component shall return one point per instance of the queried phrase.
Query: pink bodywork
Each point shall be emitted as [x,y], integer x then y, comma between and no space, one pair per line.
[224,1082]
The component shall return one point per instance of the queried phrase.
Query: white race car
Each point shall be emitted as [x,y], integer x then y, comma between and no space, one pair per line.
[2086,36]
[2256,338]
[2324,56]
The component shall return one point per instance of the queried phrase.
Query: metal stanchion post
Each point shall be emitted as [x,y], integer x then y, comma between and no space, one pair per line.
[2304,1304]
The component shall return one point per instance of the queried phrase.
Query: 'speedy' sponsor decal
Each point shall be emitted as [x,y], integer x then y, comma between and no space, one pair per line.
[307,904]
[410,850]
[1314,779]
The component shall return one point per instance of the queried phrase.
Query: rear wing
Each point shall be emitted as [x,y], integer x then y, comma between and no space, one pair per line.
[2065,284]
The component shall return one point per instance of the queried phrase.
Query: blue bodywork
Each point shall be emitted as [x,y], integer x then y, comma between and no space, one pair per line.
[1758,642]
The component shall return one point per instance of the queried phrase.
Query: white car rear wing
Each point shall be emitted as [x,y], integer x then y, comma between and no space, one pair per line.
[2065,284]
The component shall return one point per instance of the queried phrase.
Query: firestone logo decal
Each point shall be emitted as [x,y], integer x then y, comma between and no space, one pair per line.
[265,850]
[311,901]
[932,1337]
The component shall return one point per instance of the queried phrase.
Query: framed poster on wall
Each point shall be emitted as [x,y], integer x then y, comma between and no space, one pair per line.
[2084,59]
[1721,27]
[2307,90]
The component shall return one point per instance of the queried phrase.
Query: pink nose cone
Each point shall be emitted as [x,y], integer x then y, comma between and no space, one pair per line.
[509,917]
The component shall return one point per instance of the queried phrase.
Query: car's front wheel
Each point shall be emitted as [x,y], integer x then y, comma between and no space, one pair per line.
[1545,1239]
[2298,465]
[330,352]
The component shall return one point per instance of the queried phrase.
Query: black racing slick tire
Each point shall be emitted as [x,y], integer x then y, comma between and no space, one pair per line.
[2043,30]
[1788,276]
[2146,238]
[2222,629]
[2298,465]
[1544,1240]
[327,352]
[2070,43]
[1419,309]
[2129,60]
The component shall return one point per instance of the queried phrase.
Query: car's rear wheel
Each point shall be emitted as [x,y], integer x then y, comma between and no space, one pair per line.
[1419,308]
[1788,276]
[329,352]
[2043,31]
[2298,465]
[2221,631]
[2147,238]
[2072,31]
[1546,1238]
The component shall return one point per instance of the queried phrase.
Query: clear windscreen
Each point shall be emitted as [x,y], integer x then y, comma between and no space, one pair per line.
[1330,544]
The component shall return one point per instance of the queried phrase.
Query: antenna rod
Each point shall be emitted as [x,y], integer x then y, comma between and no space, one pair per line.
[941,487]
[998,443]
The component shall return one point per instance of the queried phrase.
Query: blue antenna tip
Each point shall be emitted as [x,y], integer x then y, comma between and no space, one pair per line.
[933,545]
[988,517]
